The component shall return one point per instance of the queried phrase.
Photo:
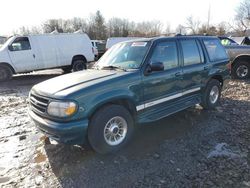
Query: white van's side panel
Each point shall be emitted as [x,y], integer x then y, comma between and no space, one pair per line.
[114,40]
[45,49]
[73,44]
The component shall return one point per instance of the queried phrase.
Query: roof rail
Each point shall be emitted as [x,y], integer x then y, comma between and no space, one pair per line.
[205,34]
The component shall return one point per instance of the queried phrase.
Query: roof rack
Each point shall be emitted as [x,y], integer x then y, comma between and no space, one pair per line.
[180,35]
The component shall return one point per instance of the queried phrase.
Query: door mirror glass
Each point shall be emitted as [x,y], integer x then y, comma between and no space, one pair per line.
[10,48]
[156,66]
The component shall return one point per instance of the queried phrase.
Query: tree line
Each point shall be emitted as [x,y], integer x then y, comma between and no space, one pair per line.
[98,28]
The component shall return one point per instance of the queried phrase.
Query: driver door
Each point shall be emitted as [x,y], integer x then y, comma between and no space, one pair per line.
[163,87]
[22,55]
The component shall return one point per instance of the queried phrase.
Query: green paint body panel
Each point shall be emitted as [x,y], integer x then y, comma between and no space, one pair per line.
[92,89]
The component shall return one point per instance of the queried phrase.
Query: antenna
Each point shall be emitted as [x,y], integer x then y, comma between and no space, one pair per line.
[208,16]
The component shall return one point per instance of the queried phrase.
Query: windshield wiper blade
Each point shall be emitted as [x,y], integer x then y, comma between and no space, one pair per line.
[113,67]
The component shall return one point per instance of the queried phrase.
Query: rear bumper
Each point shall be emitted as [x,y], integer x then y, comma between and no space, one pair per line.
[68,133]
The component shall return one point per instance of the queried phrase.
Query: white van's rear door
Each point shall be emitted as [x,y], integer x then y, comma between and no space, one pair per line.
[22,55]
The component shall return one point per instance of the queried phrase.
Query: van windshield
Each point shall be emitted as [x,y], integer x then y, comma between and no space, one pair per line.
[126,55]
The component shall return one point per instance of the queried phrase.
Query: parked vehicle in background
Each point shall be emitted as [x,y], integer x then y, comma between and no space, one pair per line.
[114,40]
[135,82]
[2,40]
[36,52]
[239,57]
[241,40]
[99,48]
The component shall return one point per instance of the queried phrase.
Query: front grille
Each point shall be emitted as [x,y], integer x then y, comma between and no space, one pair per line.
[38,104]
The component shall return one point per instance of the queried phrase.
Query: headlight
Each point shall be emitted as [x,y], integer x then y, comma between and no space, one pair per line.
[61,109]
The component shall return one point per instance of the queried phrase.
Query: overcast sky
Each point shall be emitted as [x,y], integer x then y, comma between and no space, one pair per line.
[17,13]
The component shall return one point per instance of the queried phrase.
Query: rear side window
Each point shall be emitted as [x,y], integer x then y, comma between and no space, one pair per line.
[215,50]
[166,52]
[191,53]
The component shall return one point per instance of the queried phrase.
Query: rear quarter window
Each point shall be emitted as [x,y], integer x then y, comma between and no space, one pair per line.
[215,50]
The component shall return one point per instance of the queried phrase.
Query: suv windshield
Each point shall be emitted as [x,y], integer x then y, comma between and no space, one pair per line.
[126,55]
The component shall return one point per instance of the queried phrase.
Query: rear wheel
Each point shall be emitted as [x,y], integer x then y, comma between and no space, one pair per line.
[211,95]
[5,73]
[110,129]
[241,70]
[79,65]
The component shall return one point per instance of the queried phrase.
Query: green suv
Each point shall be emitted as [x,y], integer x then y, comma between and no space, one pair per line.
[134,82]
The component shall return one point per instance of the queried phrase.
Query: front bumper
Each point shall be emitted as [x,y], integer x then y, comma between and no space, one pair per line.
[64,132]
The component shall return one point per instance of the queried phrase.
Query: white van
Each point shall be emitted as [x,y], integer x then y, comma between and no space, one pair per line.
[114,40]
[22,54]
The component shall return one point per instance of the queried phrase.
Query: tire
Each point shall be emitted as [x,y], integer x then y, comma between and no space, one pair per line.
[79,65]
[211,95]
[67,69]
[5,73]
[100,136]
[241,70]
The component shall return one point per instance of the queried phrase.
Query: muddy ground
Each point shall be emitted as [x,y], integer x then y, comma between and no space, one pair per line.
[193,148]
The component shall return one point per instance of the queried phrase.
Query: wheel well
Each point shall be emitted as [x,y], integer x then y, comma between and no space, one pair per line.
[241,58]
[219,78]
[78,57]
[8,65]
[123,102]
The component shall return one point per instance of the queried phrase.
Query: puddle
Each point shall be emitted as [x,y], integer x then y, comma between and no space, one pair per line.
[40,157]
[4,179]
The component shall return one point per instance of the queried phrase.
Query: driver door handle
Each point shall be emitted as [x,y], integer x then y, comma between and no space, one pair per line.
[206,67]
[178,74]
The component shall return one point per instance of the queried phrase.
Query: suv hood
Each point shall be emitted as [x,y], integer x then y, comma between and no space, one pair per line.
[52,86]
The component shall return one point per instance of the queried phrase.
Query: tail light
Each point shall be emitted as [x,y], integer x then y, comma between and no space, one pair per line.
[229,66]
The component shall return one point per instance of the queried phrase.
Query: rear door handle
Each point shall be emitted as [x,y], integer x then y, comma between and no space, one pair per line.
[206,67]
[178,74]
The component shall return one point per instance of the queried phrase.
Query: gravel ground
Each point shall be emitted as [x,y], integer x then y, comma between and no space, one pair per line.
[193,148]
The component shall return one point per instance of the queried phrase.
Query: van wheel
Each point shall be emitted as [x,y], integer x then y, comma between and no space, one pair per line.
[241,70]
[79,65]
[110,128]
[211,95]
[5,73]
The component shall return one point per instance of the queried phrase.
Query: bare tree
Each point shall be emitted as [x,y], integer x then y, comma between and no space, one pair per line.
[180,29]
[243,15]
[51,25]
[192,24]
[118,27]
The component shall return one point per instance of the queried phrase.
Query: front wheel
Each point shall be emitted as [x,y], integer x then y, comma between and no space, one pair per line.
[110,129]
[241,70]
[211,95]
[5,73]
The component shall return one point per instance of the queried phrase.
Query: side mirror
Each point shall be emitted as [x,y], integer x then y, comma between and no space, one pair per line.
[10,48]
[156,66]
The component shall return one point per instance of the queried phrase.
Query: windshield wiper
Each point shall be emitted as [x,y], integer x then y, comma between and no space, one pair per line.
[113,67]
